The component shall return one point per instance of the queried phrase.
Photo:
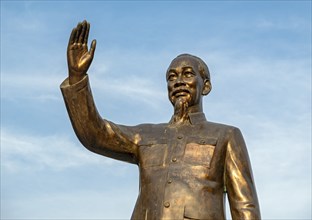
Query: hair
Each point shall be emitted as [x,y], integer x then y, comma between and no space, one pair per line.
[202,66]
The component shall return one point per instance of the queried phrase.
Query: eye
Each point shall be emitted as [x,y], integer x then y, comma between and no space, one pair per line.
[171,76]
[188,74]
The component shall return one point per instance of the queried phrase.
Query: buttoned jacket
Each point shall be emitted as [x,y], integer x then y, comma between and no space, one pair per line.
[184,170]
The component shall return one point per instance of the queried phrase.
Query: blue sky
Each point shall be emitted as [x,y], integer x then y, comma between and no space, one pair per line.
[259,55]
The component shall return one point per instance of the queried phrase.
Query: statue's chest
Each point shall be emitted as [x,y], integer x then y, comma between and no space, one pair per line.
[170,147]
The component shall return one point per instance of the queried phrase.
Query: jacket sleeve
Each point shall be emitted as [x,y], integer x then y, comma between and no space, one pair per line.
[239,180]
[96,134]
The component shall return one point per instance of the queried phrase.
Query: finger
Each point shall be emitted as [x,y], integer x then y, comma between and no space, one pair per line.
[92,49]
[78,31]
[82,34]
[72,37]
[87,34]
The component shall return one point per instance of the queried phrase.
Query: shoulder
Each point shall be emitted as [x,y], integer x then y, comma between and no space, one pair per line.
[146,128]
[221,126]
[222,130]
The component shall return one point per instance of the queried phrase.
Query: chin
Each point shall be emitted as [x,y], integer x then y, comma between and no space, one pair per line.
[182,99]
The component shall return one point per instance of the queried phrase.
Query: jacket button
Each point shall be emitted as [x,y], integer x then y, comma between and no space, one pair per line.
[167,204]
[169,181]
[180,137]
[174,159]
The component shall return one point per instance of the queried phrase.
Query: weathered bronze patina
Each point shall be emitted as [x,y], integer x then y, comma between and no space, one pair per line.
[186,165]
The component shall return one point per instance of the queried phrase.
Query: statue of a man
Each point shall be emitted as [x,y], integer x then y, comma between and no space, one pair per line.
[186,165]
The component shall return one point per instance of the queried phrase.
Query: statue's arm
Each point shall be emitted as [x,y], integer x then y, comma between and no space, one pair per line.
[96,134]
[239,180]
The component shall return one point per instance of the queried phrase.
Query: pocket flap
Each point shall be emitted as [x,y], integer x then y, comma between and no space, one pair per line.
[151,142]
[203,140]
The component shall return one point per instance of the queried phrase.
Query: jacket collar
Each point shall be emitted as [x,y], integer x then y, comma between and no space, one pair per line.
[196,118]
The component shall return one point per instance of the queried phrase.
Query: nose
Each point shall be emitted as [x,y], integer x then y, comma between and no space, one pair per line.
[179,82]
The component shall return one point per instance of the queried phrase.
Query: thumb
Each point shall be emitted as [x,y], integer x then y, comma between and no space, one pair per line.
[92,49]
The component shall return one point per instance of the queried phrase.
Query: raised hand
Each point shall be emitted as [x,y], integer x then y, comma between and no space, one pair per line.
[78,57]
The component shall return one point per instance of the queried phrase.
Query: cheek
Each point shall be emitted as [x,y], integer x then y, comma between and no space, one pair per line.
[192,82]
[169,90]
[169,86]
[195,86]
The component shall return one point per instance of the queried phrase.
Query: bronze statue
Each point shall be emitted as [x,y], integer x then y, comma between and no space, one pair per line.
[187,165]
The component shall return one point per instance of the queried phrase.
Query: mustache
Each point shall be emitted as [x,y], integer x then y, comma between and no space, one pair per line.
[178,90]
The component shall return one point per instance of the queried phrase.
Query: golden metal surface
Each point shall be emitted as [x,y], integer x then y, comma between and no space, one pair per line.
[185,165]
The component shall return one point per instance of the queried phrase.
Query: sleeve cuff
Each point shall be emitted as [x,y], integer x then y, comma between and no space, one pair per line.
[75,87]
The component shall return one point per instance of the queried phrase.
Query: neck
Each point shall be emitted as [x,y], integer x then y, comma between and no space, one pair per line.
[182,110]
[195,108]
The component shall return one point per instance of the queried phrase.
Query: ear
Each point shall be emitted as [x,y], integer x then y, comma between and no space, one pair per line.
[207,87]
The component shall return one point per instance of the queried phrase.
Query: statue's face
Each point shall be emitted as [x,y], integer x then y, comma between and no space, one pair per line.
[184,80]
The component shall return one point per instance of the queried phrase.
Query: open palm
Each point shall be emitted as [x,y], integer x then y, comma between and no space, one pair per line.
[78,57]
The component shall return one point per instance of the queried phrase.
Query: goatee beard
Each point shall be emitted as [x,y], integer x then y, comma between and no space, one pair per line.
[180,111]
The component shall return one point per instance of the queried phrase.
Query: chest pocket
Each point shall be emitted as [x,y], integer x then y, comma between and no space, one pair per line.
[200,151]
[153,153]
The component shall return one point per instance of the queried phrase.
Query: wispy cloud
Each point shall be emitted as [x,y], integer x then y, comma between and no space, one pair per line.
[21,151]
[134,88]
[73,204]
[16,86]
[291,24]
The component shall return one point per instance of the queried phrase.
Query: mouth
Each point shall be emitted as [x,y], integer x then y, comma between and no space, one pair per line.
[180,92]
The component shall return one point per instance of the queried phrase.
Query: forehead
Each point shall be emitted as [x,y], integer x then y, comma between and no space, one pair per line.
[182,62]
